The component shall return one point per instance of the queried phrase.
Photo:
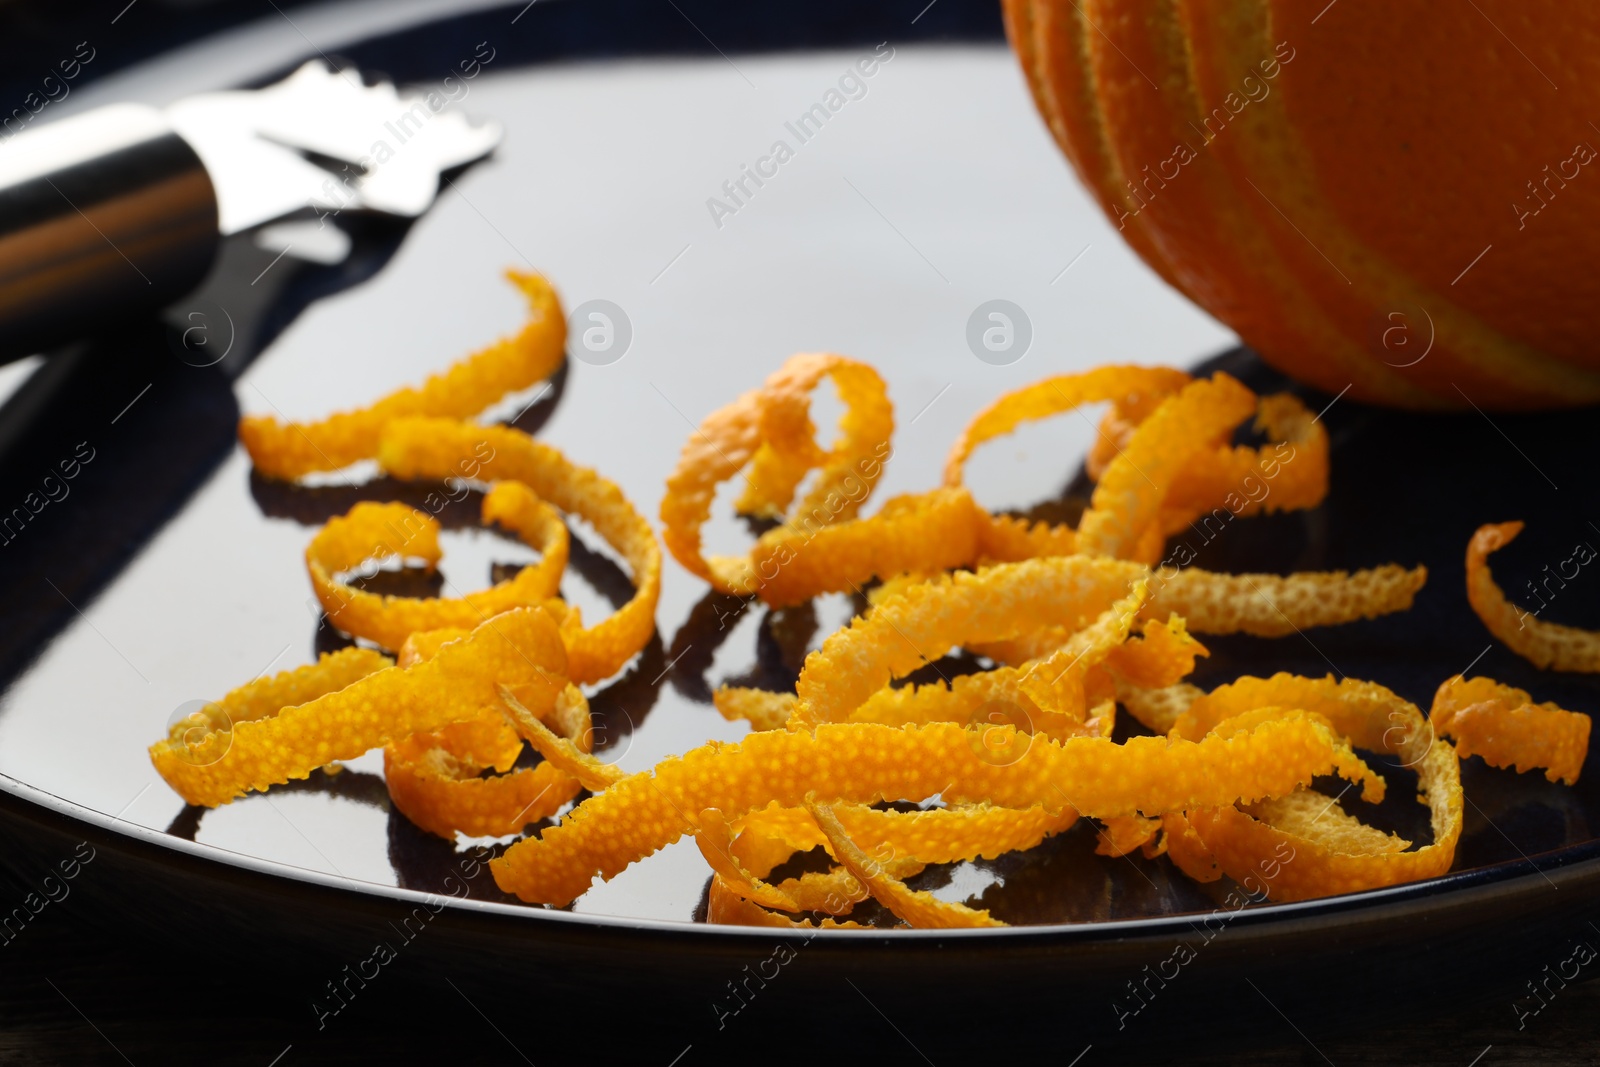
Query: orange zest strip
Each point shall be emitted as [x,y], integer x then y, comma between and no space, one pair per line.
[863,763]
[931,531]
[569,754]
[1127,500]
[727,908]
[770,431]
[1270,605]
[1289,857]
[434,448]
[1544,644]
[1506,728]
[518,647]
[1288,473]
[926,620]
[913,907]
[1128,386]
[434,776]
[292,450]
[190,737]
[788,449]
[371,530]
[763,710]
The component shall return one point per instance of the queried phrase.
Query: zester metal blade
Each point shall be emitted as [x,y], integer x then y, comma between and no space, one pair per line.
[323,139]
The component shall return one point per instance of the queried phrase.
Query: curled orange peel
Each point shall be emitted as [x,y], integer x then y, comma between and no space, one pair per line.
[762,709]
[788,449]
[914,907]
[570,754]
[1506,728]
[1287,857]
[1131,387]
[770,431]
[205,735]
[291,450]
[435,448]
[1288,473]
[1544,644]
[372,530]
[519,647]
[1127,500]
[435,777]
[726,907]
[863,763]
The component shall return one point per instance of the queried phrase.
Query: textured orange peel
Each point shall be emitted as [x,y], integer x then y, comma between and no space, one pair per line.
[291,449]
[1544,644]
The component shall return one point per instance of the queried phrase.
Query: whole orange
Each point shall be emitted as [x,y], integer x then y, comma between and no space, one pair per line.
[1401,199]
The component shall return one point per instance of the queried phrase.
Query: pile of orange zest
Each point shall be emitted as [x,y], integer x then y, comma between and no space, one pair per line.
[864,763]
[291,450]
[1278,850]
[1506,728]
[434,448]
[1544,644]
[373,530]
[914,907]
[520,647]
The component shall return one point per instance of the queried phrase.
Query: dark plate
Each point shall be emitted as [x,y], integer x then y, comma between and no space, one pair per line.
[168,573]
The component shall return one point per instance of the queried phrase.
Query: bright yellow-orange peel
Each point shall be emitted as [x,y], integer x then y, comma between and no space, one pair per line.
[434,448]
[1133,388]
[446,794]
[570,754]
[435,778]
[917,908]
[1506,728]
[519,647]
[205,735]
[862,763]
[1265,605]
[372,530]
[931,531]
[770,431]
[726,907]
[1288,473]
[762,709]
[927,620]
[1289,856]
[1128,499]
[1544,644]
[788,449]
[293,449]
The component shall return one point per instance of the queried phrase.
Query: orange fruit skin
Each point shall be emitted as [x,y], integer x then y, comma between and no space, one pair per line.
[1392,198]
